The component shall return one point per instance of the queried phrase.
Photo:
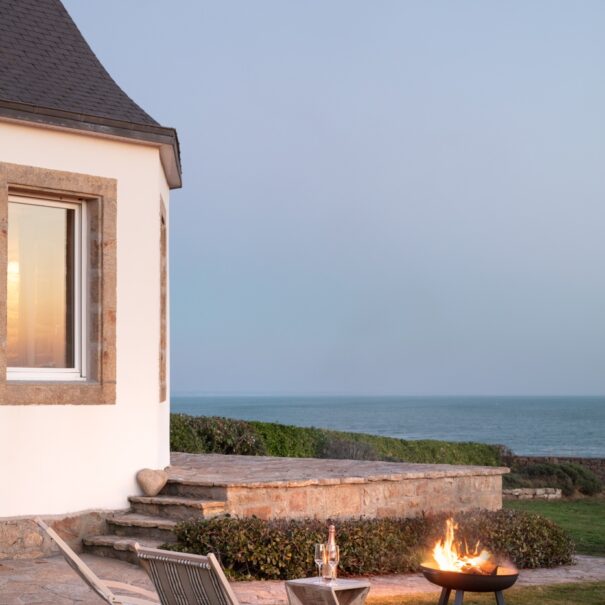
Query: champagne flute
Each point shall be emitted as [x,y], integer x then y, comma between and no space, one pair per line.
[333,560]
[320,558]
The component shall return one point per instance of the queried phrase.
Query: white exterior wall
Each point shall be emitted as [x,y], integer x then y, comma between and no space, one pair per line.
[57,459]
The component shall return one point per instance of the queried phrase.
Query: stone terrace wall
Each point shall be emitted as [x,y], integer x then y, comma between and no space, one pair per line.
[21,538]
[272,487]
[596,465]
[402,498]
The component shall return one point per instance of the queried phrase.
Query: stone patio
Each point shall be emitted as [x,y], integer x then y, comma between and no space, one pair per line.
[50,581]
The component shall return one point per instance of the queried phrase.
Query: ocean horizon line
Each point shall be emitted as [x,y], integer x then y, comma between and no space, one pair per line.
[389,395]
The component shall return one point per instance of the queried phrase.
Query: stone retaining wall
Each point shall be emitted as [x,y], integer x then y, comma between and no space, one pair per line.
[21,538]
[280,488]
[596,465]
[404,498]
[532,493]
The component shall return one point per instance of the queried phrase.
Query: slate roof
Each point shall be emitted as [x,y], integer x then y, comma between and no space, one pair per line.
[50,75]
[45,61]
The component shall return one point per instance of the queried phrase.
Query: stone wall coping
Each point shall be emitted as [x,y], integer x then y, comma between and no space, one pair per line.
[217,470]
[50,519]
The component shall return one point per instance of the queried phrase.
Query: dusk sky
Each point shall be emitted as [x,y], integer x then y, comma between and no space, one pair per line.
[387,197]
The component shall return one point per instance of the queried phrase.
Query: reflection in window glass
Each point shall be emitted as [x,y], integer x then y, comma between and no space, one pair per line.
[40,275]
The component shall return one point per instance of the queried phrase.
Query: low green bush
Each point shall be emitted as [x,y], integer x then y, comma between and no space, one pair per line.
[289,441]
[567,476]
[584,480]
[250,548]
[340,448]
[210,434]
[199,434]
[424,450]
[183,435]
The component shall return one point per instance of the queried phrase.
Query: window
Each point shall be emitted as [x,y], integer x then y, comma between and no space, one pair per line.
[46,333]
[58,297]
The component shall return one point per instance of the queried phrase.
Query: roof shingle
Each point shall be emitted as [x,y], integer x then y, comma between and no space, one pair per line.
[45,62]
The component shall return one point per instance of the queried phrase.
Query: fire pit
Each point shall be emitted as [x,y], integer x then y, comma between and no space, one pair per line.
[458,569]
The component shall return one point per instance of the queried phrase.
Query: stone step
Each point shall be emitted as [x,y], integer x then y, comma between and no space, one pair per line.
[192,489]
[142,526]
[177,508]
[118,547]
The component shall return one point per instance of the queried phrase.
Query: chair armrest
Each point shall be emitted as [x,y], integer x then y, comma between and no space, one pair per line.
[130,588]
[124,600]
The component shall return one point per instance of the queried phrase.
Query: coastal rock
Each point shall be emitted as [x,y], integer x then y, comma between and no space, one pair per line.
[151,481]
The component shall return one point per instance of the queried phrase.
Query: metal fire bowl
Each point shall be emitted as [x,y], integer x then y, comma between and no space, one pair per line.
[470,581]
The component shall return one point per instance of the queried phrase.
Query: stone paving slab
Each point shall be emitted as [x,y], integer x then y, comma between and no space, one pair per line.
[255,471]
[50,581]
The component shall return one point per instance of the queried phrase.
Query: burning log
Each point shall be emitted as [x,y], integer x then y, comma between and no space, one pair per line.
[449,556]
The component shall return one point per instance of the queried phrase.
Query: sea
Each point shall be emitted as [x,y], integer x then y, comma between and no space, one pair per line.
[539,426]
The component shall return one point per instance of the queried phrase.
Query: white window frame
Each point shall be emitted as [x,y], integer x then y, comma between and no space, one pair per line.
[80,301]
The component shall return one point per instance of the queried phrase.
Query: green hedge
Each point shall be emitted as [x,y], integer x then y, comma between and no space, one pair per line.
[423,451]
[199,434]
[250,548]
[289,441]
[567,476]
[210,434]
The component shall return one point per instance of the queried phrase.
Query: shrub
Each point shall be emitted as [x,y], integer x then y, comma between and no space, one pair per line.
[183,435]
[567,476]
[289,441]
[514,480]
[427,451]
[283,549]
[211,434]
[225,436]
[584,480]
[348,449]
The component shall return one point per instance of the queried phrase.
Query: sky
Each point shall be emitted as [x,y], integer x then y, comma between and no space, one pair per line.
[394,197]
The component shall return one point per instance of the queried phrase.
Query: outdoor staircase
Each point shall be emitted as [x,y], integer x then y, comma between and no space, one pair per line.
[152,519]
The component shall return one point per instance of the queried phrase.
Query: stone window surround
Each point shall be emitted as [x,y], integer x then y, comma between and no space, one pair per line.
[100,196]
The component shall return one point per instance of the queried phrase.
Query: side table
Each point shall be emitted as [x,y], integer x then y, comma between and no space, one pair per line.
[312,591]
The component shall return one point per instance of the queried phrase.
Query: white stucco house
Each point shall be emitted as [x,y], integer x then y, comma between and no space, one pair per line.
[85,180]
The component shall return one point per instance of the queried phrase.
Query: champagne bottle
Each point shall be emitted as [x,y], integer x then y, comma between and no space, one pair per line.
[330,549]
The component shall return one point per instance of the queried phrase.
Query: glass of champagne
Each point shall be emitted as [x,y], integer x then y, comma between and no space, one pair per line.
[320,558]
[333,560]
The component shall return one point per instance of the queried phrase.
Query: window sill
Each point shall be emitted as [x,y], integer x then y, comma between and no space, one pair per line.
[48,378]
[47,392]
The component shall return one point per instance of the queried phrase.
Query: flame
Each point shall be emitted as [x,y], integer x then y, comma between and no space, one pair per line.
[448,557]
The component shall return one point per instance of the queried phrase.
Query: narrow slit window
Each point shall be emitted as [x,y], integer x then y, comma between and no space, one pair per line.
[44,290]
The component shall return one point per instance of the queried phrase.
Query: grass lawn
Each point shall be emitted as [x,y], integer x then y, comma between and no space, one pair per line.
[583,519]
[589,593]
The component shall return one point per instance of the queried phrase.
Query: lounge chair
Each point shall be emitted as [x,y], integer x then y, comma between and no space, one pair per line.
[184,579]
[101,587]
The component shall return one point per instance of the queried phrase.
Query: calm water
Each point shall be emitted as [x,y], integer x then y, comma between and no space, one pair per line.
[573,426]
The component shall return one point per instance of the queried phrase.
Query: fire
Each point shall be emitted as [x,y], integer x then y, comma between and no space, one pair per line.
[448,557]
